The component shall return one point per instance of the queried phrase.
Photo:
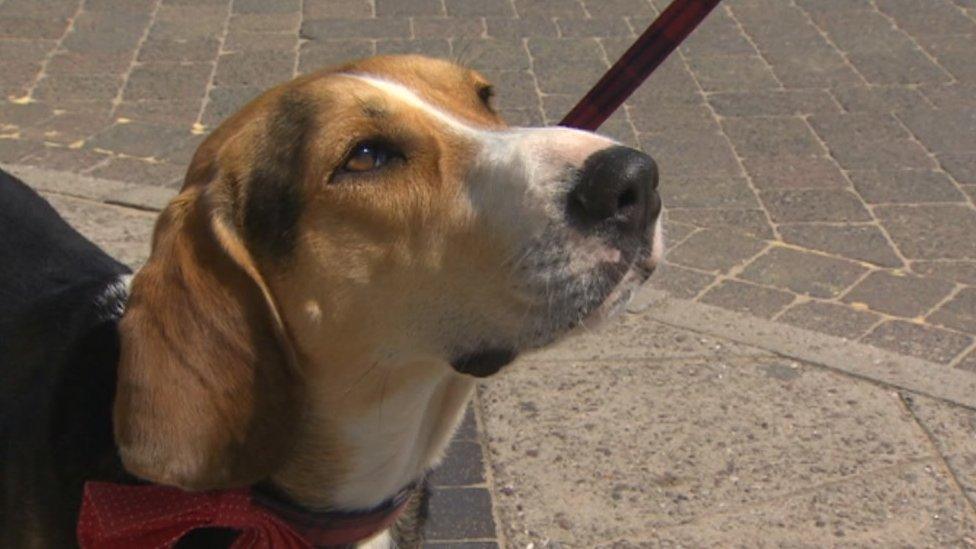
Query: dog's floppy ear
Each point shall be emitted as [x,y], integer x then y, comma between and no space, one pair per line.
[207,386]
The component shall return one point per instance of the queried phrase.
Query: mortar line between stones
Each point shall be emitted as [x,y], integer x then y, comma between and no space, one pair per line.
[735,270]
[198,126]
[42,72]
[935,447]
[894,23]
[930,154]
[843,54]
[487,465]
[738,159]
[625,110]
[134,60]
[954,363]
[853,188]
[298,38]
[755,46]
[519,15]
[586,11]
[535,80]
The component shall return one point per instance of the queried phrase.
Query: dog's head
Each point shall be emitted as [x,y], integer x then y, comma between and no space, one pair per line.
[378,213]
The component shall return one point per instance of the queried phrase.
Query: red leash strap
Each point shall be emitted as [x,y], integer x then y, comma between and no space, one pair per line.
[638,62]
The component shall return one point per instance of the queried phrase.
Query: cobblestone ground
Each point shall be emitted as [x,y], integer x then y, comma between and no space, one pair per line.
[818,156]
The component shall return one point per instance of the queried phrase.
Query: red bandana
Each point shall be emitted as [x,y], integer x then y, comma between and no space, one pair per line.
[117,516]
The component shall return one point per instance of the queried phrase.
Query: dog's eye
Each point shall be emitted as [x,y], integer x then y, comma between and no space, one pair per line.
[486,93]
[367,156]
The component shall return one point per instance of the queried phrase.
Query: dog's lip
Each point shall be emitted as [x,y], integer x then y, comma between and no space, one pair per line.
[483,362]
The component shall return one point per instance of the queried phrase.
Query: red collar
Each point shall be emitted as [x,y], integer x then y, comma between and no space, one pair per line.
[118,516]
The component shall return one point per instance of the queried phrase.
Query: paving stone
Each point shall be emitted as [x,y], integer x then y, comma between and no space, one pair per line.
[678,281]
[747,298]
[262,6]
[620,8]
[918,340]
[180,113]
[460,513]
[408,8]
[803,272]
[819,68]
[732,72]
[496,54]
[13,150]
[24,114]
[860,242]
[263,22]
[715,250]
[673,83]
[68,127]
[547,55]
[906,186]
[16,26]
[600,27]
[953,52]
[63,158]
[692,154]
[344,29]
[905,66]
[951,96]
[968,363]
[880,99]
[338,9]
[188,22]
[26,51]
[772,103]
[861,31]
[514,90]
[73,63]
[167,82]
[922,18]
[943,131]
[787,136]
[461,545]
[498,27]
[261,69]
[830,318]
[318,55]
[962,167]
[137,139]
[959,313]
[133,170]
[705,192]
[225,101]
[931,231]
[433,47]
[448,27]
[468,8]
[247,42]
[665,118]
[719,34]
[179,49]
[749,222]
[78,87]
[794,172]
[899,294]
[550,8]
[833,5]
[463,465]
[963,272]
[804,205]
[530,118]
[869,141]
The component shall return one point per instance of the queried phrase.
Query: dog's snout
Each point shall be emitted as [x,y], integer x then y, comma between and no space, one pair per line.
[617,186]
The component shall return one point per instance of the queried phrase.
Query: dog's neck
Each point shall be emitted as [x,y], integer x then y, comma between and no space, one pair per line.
[365,440]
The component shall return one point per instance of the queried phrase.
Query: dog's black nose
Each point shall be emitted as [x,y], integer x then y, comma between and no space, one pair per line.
[617,188]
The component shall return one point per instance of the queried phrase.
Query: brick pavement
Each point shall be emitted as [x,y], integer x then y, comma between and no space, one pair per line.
[819,156]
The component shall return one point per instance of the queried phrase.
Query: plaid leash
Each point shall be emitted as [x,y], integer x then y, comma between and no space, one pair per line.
[650,50]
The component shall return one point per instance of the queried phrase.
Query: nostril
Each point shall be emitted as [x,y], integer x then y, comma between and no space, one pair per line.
[627,198]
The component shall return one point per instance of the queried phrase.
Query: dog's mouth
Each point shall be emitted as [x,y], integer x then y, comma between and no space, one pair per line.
[484,362]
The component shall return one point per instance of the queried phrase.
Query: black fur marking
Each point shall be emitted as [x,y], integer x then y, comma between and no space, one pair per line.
[273,202]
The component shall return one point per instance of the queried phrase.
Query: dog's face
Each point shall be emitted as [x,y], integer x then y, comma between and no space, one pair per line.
[429,230]
[380,213]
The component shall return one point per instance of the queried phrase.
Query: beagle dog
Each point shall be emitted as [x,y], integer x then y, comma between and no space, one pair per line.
[349,253]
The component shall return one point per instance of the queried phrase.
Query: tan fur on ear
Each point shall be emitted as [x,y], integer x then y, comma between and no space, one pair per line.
[207,392]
